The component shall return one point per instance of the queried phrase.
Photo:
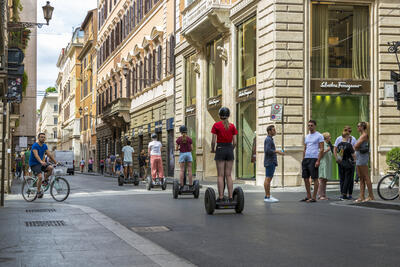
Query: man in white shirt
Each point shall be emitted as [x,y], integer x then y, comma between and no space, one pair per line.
[312,154]
[127,155]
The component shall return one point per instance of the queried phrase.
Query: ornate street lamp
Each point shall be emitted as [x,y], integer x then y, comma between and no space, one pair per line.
[47,14]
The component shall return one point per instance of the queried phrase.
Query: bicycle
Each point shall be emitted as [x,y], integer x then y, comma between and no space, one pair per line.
[59,186]
[388,185]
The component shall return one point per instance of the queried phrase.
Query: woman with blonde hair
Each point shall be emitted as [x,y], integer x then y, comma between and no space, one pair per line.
[362,158]
[325,166]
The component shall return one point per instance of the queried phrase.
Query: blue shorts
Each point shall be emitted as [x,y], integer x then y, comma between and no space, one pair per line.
[117,167]
[185,157]
[270,170]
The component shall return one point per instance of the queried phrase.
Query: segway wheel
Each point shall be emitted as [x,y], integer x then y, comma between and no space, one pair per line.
[148,183]
[175,189]
[164,184]
[238,196]
[135,178]
[209,200]
[196,186]
[121,180]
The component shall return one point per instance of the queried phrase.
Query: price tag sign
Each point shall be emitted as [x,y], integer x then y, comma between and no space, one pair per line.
[276,112]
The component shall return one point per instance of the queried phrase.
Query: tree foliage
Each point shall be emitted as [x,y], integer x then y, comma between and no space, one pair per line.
[51,89]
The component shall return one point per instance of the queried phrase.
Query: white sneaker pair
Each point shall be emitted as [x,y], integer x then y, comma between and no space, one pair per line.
[271,200]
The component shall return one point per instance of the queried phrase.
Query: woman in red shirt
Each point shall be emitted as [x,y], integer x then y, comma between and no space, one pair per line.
[224,134]
[184,145]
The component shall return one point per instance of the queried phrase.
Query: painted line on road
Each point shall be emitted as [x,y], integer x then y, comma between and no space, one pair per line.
[153,251]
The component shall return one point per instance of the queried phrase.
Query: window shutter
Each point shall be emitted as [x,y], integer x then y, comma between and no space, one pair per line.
[133,15]
[153,77]
[172,56]
[140,76]
[128,84]
[150,71]
[159,63]
[166,57]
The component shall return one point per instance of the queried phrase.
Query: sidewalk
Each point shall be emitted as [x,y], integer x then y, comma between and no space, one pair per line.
[44,234]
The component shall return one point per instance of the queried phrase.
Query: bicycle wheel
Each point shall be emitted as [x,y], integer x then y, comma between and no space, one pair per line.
[59,189]
[29,190]
[388,187]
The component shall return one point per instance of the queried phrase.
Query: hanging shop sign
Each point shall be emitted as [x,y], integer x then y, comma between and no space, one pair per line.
[170,124]
[214,102]
[246,94]
[190,110]
[350,86]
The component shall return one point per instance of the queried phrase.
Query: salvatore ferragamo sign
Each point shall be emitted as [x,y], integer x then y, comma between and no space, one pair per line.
[340,86]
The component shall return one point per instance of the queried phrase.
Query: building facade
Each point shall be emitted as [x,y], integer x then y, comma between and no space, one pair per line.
[68,86]
[326,61]
[136,76]
[87,83]
[48,119]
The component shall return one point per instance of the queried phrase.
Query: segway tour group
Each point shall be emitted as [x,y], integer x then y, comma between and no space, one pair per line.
[128,176]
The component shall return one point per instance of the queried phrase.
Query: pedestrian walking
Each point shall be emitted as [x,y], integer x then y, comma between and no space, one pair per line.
[157,169]
[108,164]
[312,154]
[18,166]
[82,164]
[345,157]
[117,166]
[362,158]
[102,166]
[270,162]
[184,146]
[25,160]
[143,162]
[325,166]
[224,136]
[90,165]
[112,163]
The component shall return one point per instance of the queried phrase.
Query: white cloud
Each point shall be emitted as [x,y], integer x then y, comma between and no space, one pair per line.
[67,15]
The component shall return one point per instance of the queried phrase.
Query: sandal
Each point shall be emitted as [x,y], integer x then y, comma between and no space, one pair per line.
[367,199]
[311,200]
[358,200]
[304,199]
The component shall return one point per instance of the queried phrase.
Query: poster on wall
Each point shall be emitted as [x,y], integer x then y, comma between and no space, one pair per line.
[23,141]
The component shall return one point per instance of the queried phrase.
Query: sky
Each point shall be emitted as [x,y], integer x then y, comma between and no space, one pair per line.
[67,15]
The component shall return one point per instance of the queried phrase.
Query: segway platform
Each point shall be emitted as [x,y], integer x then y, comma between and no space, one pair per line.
[211,203]
[130,180]
[157,182]
[186,189]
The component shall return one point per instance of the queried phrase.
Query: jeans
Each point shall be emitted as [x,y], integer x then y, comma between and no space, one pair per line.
[346,180]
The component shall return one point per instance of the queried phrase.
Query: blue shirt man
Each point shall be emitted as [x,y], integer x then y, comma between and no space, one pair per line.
[41,150]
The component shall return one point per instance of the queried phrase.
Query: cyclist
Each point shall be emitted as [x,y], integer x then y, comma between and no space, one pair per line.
[38,163]
[184,145]
[155,158]
[224,134]
[127,155]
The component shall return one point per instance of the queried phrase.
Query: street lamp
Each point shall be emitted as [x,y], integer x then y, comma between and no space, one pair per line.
[81,111]
[47,14]
[125,70]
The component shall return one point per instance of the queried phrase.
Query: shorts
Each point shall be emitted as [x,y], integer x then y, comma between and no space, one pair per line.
[224,152]
[38,168]
[185,157]
[270,170]
[117,167]
[127,163]
[308,168]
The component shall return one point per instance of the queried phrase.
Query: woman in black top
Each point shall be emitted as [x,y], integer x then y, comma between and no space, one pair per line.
[346,158]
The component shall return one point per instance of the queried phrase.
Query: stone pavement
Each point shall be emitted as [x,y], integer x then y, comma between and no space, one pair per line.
[48,234]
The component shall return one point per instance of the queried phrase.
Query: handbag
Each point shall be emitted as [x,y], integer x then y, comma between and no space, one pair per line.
[364,148]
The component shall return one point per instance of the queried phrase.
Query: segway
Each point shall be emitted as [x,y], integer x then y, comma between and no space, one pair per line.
[211,203]
[186,189]
[157,182]
[129,180]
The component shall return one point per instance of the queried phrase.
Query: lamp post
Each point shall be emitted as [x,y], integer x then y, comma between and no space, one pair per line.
[47,14]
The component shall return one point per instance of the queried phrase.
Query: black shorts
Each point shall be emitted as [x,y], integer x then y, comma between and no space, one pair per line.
[38,168]
[308,169]
[224,151]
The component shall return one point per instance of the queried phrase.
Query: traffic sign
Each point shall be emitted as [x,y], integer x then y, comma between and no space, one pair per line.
[276,112]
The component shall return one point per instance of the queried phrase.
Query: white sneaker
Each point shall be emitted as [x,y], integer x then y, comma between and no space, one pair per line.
[270,200]
[274,199]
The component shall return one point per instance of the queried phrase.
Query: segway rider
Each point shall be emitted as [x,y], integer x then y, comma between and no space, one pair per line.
[156,163]
[184,145]
[127,155]
[224,134]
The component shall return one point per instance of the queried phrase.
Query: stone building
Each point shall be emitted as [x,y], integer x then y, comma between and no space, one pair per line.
[135,76]
[326,61]
[48,119]
[67,84]
[87,84]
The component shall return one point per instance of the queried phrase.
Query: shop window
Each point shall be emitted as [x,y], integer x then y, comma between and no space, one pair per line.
[340,41]
[214,70]
[246,54]
[190,81]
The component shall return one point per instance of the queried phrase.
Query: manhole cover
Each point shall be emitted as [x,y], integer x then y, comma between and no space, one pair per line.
[377,205]
[44,223]
[41,210]
[150,229]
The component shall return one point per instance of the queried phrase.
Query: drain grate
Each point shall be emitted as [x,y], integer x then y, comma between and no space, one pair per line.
[377,205]
[45,223]
[40,210]
[151,229]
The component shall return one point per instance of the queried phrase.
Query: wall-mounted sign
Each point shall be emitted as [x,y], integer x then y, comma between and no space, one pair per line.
[214,102]
[190,110]
[348,86]
[246,94]
[170,124]
[140,131]
[276,112]
[158,126]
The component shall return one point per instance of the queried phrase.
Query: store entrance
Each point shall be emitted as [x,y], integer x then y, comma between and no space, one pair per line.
[246,123]
[191,126]
[333,112]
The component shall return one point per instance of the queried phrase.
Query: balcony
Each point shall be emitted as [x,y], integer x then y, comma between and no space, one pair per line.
[117,112]
[205,19]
